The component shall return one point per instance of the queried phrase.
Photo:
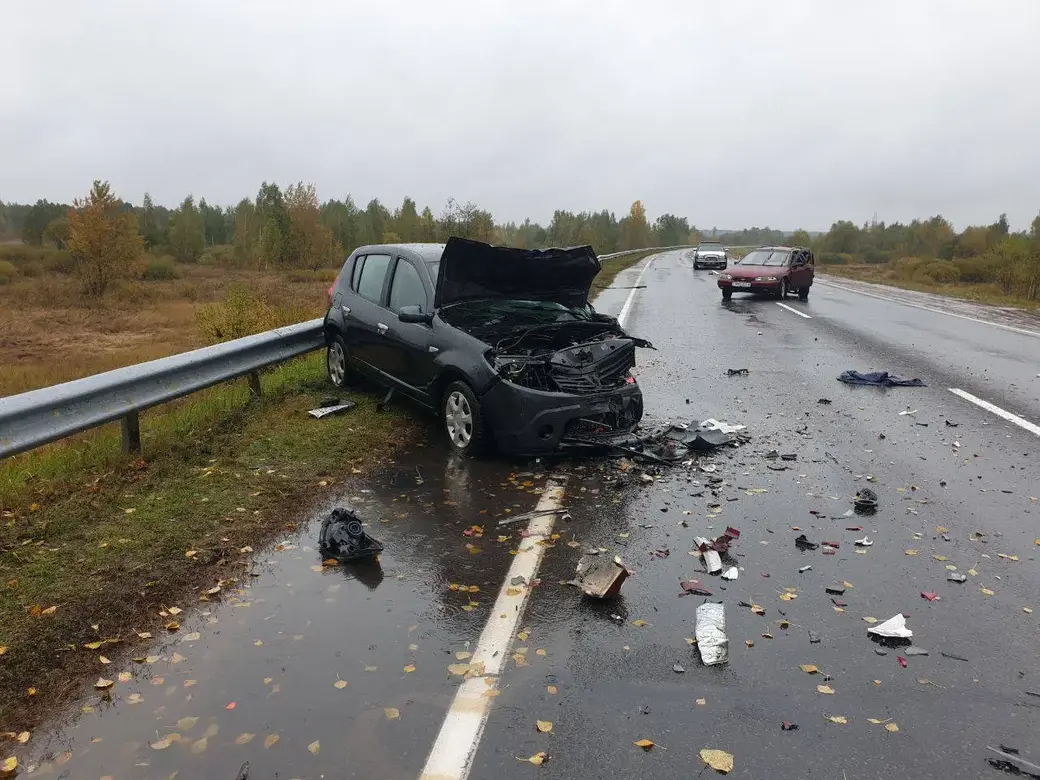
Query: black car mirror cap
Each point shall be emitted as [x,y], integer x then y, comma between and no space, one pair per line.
[414,313]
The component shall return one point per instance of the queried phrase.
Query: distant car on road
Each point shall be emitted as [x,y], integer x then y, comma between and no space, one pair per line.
[709,254]
[501,343]
[775,270]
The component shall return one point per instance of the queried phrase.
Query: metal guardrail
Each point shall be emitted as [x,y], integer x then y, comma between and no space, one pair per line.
[38,417]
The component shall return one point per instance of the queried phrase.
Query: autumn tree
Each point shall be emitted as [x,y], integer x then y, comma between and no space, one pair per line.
[309,243]
[57,232]
[187,232]
[635,230]
[104,240]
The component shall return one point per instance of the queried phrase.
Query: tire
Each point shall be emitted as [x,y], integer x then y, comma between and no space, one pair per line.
[463,420]
[783,291]
[803,294]
[695,266]
[727,293]
[336,362]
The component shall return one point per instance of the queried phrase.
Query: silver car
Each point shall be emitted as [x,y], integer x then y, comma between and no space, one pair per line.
[709,254]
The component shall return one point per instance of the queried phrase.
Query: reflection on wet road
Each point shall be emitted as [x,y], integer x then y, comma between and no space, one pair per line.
[309,671]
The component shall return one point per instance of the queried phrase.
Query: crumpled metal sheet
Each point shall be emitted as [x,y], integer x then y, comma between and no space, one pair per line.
[711,634]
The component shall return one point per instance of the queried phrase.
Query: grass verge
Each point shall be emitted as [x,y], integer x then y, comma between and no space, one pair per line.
[615,265]
[986,293]
[103,539]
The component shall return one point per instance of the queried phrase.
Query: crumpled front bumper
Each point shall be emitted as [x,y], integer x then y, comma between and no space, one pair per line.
[525,421]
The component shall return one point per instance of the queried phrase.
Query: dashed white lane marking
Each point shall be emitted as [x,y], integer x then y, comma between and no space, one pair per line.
[632,295]
[932,309]
[793,311]
[451,757]
[1012,418]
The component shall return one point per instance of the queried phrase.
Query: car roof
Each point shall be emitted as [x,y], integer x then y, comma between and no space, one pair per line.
[431,253]
[780,248]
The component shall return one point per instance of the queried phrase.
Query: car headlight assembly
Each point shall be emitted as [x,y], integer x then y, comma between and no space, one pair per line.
[766,278]
[725,276]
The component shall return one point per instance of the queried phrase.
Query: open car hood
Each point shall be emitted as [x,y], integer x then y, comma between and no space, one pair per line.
[471,270]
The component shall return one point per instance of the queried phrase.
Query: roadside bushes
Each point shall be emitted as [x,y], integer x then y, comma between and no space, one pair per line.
[322,275]
[937,272]
[243,312]
[876,257]
[834,258]
[7,271]
[160,269]
[977,270]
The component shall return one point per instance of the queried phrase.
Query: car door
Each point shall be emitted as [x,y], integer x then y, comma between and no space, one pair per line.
[368,318]
[799,262]
[410,353]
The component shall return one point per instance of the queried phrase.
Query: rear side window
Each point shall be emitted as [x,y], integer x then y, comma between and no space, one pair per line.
[373,274]
[407,288]
[356,272]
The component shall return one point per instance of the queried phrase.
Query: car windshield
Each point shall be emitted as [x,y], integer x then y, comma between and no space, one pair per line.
[709,246]
[491,312]
[772,257]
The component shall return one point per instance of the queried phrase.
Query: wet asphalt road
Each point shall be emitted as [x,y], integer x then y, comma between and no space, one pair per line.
[277,646]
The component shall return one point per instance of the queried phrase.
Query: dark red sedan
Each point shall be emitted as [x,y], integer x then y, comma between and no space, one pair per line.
[775,270]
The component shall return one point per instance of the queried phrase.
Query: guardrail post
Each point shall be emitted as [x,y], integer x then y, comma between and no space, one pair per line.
[254,384]
[131,426]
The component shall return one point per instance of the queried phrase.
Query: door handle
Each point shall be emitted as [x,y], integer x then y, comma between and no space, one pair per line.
[345,309]
[382,328]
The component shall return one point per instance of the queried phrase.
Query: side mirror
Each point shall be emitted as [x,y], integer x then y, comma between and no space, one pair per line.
[414,313]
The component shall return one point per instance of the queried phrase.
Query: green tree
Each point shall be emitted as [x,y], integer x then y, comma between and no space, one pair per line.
[187,232]
[273,225]
[800,238]
[635,230]
[427,226]
[670,230]
[214,224]
[309,243]
[341,217]
[246,233]
[38,217]
[57,232]
[104,240]
[406,221]
[148,224]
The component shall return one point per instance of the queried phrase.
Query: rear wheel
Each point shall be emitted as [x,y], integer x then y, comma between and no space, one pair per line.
[727,293]
[336,362]
[463,419]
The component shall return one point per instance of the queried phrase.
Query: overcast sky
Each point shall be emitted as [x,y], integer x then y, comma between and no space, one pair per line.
[788,114]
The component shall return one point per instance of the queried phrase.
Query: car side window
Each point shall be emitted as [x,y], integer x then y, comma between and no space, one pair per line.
[373,274]
[356,275]
[407,288]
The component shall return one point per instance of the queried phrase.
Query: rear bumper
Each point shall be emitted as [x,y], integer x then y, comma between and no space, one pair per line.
[524,421]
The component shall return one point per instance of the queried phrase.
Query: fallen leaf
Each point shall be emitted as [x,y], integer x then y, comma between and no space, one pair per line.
[269,740]
[173,625]
[757,609]
[3,649]
[125,677]
[135,698]
[93,645]
[175,611]
[870,620]
[230,705]
[49,611]
[701,702]
[187,724]
[646,744]
[162,744]
[199,746]
[392,713]
[314,747]
[876,722]
[825,689]
[189,683]
[244,739]
[151,659]
[719,760]
[552,689]
[103,660]
[1027,610]
[410,668]
[910,552]
[194,636]
[176,658]
[809,669]
[23,737]
[537,759]
[462,655]
[103,684]
[158,680]
[543,726]
[940,557]
[341,684]
[788,596]
[837,719]
[539,651]
[640,623]
[986,592]
[892,727]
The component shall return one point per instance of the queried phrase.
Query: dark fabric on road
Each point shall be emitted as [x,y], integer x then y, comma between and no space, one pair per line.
[878,379]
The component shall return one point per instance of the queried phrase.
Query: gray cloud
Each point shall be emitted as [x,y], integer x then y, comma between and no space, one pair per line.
[731,113]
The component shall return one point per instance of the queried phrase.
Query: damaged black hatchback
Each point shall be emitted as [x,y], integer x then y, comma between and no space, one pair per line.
[501,343]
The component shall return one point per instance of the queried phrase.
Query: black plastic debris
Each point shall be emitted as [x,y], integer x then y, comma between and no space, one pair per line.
[824,401]
[814,638]
[737,371]
[789,456]
[950,424]
[343,537]
[878,379]
[835,590]
[788,726]
[1011,762]
[956,577]
[802,543]
[866,500]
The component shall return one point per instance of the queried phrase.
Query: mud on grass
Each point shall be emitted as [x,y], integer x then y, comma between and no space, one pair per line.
[107,545]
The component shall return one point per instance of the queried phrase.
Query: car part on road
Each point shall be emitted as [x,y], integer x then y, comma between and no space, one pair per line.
[878,379]
[693,588]
[864,542]
[531,515]
[956,577]
[600,578]
[803,543]
[866,500]
[712,562]
[1010,760]
[731,573]
[825,401]
[335,408]
[737,371]
[710,633]
[342,536]
[893,628]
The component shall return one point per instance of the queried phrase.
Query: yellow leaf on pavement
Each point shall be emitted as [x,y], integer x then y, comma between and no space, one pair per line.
[809,669]
[543,726]
[3,649]
[537,759]
[244,738]
[93,645]
[840,719]
[552,689]
[103,660]
[103,684]
[892,727]
[462,655]
[269,740]
[125,677]
[825,689]
[877,722]
[409,668]
[314,747]
[640,623]
[701,702]
[23,737]
[646,744]
[392,713]
[719,760]
[8,765]
[910,552]
[163,743]
[49,611]
[187,724]
[199,746]
[341,684]
[194,636]
[757,609]
[135,698]
[986,592]
[870,620]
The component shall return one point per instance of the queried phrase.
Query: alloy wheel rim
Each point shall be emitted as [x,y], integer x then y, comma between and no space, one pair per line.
[336,364]
[459,419]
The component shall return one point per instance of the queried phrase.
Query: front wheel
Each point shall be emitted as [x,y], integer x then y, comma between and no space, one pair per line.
[782,292]
[463,419]
[336,362]
[727,293]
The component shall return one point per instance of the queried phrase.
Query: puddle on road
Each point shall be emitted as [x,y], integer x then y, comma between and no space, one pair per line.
[307,670]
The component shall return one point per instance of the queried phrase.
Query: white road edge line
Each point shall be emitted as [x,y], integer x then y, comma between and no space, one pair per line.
[632,295]
[451,757]
[932,309]
[793,311]
[1012,418]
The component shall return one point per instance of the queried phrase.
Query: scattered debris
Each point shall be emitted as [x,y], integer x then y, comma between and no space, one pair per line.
[343,537]
[712,562]
[600,578]
[956,577]
[737,371]
[893,628]
[866,500]
[711,634]
[693,588]
[825,401]
[878,379]
[731,573]
[835,590]
[719,760]
[678,668]
[914,650]
[531,516]
[336,408]
[1010,758]
[805,568]
[953,656]
[788,726]
[814,638]
[802,543]
[864,542]
[929,595]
